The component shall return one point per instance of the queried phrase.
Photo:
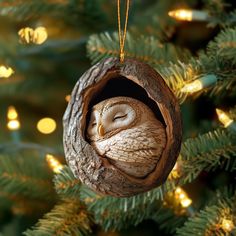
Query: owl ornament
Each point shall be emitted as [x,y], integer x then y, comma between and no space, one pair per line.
[126,132]
[122,128]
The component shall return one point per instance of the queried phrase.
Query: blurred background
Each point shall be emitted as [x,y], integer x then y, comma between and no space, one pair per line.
[45,46]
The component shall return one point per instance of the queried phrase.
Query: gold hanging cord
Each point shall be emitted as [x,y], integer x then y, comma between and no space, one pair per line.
[122,35]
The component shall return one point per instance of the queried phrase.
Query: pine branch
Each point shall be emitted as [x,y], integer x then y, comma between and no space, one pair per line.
[146,49]
[26,176]
[67,218]
[209,151]
[118,213]
[25,10]
[168,220]
[74,12]
[66,184]
[212,150]
[224,46]
[177,75]
[215,149]
[219,12]
[218,60]
[209,221]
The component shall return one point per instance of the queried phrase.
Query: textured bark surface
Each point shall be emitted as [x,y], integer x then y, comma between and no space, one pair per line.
[96,172]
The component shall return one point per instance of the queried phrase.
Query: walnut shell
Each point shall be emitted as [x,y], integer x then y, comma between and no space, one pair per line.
[99,82]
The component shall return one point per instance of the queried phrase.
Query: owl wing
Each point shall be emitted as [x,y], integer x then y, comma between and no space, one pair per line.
[139,144]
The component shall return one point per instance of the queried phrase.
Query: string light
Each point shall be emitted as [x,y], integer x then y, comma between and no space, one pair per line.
[182,197]
[181,14]
[46,125]
[224,118]
[12,116]
[67,98]
[227,225]
[54,164]
[36,36]
[5,72]
[179,202]
[192,87]
[199,84]
[188,15]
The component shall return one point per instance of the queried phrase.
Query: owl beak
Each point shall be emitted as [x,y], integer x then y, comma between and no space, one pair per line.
[100,130]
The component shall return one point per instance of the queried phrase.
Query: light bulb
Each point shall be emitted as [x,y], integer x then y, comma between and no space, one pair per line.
[5,72]
[224,118]
[181,14]
[227,225]
[12,116]
[54,164]
[46,125]
[192,87]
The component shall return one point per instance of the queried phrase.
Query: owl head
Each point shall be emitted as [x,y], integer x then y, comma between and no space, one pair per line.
[115,114]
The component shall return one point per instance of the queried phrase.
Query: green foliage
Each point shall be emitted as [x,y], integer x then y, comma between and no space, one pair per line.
[154,20]
[25,179]
[215,149]
[66,184]
[209,221]
[219,12]
[209,151]
[224,46]
[218,60]
[26,10]
[116,214]
[74,11]
[144,48]
[168,220]
[45,73]
[176,75]
[18,176]
[67,218]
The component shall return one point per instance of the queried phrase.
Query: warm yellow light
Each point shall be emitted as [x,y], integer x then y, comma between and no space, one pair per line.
[192,87]
[5,72]
[12,113]
[54,164]
[186,202]
[12,116]
[40,35]
[46,125]
[178,190]
[227,225]
[13,125]
[25,34]
[67,98]
[182,197]
[223,118]
[29,35]
[181,14]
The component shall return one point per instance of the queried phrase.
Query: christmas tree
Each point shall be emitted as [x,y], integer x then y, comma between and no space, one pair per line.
[45,46]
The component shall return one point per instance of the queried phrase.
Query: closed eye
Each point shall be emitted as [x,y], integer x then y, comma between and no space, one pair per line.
[119,117]
[94,124]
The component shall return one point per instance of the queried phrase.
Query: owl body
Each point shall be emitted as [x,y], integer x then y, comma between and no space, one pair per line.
[127,133]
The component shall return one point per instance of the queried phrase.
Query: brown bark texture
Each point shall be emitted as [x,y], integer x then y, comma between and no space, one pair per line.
[95,171]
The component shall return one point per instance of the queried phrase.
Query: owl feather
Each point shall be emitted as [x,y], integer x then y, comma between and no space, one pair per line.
[134,148]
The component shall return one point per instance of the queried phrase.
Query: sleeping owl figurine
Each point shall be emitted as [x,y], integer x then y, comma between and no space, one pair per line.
[126,132]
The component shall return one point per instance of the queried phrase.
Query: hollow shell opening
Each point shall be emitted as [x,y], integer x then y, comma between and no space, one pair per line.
[120,86]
